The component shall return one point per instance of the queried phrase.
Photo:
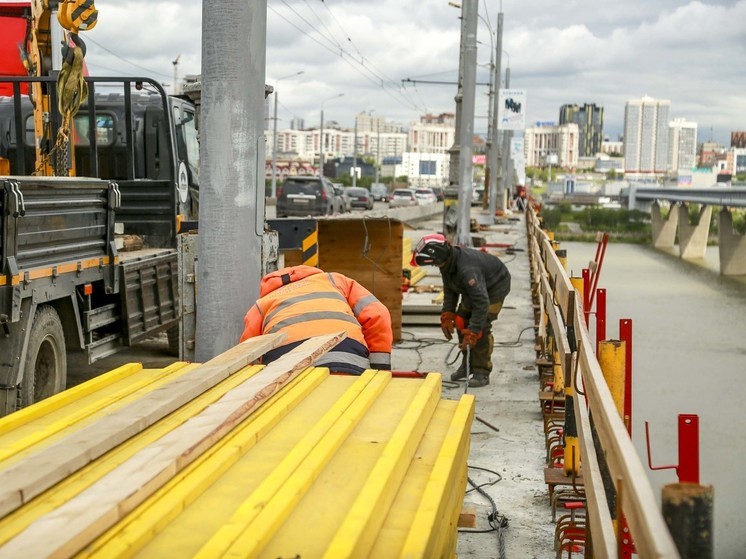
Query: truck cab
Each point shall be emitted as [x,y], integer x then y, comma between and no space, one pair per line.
[89,262]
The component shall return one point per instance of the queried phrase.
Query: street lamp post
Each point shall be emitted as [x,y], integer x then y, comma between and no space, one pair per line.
[274,137]
[321,134]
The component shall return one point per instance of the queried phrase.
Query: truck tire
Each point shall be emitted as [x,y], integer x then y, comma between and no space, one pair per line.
[45,368]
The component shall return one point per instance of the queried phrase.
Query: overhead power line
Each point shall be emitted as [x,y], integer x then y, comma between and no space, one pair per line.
[388,86]
[125,60]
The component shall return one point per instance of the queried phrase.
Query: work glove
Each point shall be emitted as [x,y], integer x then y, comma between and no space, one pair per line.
[447,324]
[469,338]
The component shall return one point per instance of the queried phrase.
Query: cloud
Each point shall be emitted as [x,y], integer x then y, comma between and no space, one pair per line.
[579,51]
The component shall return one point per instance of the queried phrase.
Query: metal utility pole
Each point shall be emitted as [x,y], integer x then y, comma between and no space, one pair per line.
[231,220]
[176,75]
[492,155]
[321,135]
[274,136]
[378,147]
[354,156]
[469,82]
[507,163]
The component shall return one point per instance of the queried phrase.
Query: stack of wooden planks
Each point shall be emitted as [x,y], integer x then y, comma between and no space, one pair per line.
[230,458]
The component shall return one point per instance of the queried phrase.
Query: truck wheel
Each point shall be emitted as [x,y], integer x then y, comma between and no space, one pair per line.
[45,369]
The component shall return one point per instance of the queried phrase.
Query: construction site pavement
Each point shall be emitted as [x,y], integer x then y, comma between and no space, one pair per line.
[509,403]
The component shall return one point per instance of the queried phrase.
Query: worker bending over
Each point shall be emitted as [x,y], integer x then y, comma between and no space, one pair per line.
[481,282]
[303,302]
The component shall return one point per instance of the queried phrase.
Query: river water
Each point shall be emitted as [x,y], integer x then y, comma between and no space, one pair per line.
[689,356]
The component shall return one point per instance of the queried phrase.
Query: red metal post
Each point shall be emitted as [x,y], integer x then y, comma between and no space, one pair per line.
[600,317]
[625,334]
[586,295]
[688,468]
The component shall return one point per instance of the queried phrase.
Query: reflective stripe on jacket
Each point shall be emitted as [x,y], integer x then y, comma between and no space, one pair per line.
[303,301]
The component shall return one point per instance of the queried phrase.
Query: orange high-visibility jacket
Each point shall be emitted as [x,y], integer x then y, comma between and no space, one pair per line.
[303,301]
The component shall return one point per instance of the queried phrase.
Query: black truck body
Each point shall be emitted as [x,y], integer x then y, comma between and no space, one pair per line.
[64,283]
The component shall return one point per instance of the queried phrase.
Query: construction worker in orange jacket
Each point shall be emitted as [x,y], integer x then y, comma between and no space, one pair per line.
[303,302]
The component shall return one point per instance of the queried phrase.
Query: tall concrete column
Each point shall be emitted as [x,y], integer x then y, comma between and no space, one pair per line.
[506,162]
[693,238]
[493,154]
[469,73]
[732,247]
[664,231]
[231,219]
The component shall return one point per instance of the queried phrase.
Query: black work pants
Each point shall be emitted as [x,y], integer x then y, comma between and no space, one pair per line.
[481,354]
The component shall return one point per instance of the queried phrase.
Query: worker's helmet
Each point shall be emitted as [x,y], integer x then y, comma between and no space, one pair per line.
[432,250]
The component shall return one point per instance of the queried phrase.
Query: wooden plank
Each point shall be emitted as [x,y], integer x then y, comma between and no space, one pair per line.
[368,250]
[79,521]
[261,514]
[649,531]
[467,518]
[366,516]
[599,517]
[40,470]
[560,281]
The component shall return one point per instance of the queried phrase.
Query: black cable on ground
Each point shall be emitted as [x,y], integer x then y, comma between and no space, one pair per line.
[496,520]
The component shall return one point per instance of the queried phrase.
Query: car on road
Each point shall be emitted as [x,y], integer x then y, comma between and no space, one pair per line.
[425,196]
[439,192]
[360,197]
[380,192]
[306,195]
[345,204]
[402,197]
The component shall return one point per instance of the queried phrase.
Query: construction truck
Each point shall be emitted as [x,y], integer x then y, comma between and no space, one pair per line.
[89,259]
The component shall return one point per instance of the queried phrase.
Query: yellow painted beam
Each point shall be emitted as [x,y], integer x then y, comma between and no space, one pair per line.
[363,521]
[15,522]
[63,414]
[153,515]
[421,539]
[260,515]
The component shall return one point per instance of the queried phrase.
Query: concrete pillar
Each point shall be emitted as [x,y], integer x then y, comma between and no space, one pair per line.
[231,211]
[664,232]
[693,238]
[731,245]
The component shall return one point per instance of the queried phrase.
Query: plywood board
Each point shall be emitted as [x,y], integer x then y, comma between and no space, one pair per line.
[368,250]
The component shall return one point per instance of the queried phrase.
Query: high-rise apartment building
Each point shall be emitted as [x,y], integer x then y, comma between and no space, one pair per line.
[682,145]
[646,135]
[555,145]
[590,121]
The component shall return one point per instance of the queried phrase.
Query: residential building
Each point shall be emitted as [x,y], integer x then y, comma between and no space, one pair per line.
[646,136]
[555,145]
[433,133]
[590,121]
[709,153]
[424,169]
[682,145]
[611,147]
[297,123]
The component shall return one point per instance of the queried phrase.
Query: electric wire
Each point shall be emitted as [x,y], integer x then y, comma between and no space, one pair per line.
[124,59]
[389,87]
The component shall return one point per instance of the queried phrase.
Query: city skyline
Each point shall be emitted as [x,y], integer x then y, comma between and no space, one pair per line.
[577,54]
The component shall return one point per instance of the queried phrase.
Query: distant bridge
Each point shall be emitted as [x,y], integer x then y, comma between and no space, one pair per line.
[715,196]
[693,237]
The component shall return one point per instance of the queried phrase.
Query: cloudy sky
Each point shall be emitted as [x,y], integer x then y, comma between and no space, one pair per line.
[576,51]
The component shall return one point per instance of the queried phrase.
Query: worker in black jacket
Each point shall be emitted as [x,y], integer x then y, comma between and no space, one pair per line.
[475,285]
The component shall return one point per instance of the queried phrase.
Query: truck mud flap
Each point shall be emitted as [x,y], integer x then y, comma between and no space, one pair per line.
[149,295]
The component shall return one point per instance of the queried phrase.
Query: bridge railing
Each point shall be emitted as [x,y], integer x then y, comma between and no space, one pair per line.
[562,323]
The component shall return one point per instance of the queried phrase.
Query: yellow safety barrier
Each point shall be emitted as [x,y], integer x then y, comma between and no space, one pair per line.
[410,274]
